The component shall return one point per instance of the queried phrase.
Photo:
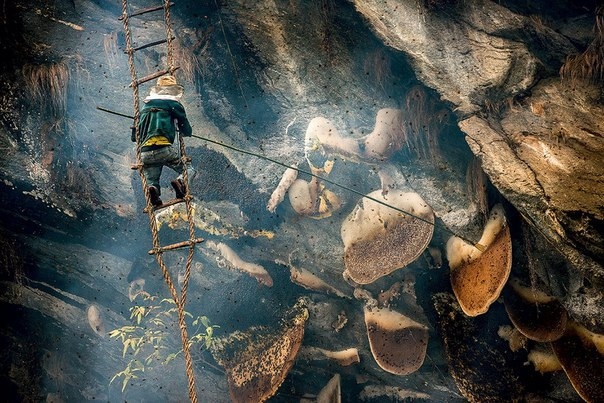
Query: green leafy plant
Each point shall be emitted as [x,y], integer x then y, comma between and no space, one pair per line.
[149,339]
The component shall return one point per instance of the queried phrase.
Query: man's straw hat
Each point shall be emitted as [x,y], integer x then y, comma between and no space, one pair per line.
[167,86]
[165,81]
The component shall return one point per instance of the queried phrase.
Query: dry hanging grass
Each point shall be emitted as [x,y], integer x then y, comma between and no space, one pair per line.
[46,85]
[78,182]
[377,65]
[191,55]
[588,65]
[11,260]
[111,49]
[435,5]
[425,123]
[189,65]
[326,33]
[476,184]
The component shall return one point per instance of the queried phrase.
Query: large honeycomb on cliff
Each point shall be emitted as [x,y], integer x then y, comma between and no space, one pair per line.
[257,360]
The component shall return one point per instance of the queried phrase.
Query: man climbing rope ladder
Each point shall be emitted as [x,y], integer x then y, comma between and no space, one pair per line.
[161,119]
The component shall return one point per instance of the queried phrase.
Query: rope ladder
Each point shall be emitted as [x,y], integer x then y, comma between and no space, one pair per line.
[158,250]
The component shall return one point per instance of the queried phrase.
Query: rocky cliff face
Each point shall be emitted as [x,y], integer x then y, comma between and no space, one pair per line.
[534,148]
[496,103]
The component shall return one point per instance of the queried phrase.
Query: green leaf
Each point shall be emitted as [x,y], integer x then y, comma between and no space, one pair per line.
[116,376]
[115,333]
[158,322]
[126,344]
[169,358]
[171,311]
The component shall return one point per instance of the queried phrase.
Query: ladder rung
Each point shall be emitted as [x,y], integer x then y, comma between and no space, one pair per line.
[146,10]
[177,245]
[148,45]
[164,205]
[152,76]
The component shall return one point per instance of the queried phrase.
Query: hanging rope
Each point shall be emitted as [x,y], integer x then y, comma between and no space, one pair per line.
[169,53]
[191,225]
[157,249]
[303,171]
[322,178]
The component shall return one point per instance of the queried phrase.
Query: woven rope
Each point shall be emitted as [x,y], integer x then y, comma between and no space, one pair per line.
[179,301]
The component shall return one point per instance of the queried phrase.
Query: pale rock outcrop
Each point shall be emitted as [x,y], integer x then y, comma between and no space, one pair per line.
[468,53]
[539,140]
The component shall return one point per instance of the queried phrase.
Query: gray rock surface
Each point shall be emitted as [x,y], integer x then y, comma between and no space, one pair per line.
[475,81]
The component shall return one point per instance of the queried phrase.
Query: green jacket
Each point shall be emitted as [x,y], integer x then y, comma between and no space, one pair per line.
[157,119]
